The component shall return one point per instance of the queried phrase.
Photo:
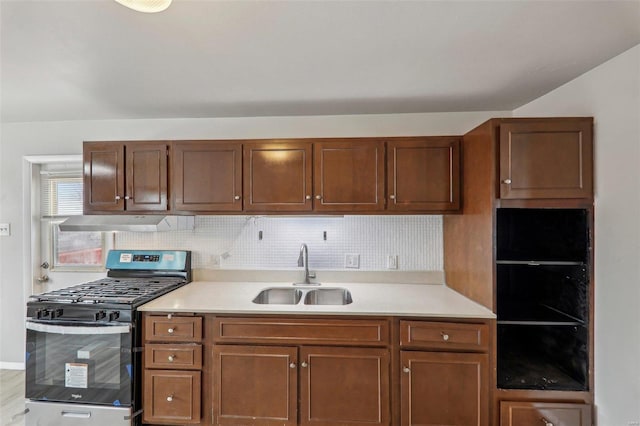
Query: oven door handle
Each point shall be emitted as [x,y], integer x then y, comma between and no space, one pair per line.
[78,329]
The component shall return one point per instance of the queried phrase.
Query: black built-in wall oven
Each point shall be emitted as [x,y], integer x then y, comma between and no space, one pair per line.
[83,347]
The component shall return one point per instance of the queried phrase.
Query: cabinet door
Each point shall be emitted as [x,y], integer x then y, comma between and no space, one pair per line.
[255,385]
[349,175]
[544,414]
[103,176]
[441,388]
[345,386]
[146,179]
[171,397]
[546,159]
[207,176]
[423,174]
[277,176]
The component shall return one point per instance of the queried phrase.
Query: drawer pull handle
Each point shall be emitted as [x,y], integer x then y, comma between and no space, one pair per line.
[170,331]
[292,365]
[546,422]
[170,398]
[304,364]
[169,316]
[171,358]
[406,369]
[445,336]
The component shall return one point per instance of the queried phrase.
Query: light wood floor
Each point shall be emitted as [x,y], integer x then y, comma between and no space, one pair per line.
[11,397]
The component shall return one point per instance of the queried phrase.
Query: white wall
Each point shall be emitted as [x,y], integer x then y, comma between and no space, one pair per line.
[29,139]
[611,93]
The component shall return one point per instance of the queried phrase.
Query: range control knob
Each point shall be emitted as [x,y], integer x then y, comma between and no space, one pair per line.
[42,313]
[114,315]
[99,315]
[55,313]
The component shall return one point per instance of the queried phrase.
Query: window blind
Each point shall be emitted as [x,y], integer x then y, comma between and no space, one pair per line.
[61,194]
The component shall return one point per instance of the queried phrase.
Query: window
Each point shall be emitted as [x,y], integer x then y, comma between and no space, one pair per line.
[61,197]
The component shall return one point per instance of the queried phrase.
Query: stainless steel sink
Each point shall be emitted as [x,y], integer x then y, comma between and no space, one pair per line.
[328,296]
[311,296]
[278,296]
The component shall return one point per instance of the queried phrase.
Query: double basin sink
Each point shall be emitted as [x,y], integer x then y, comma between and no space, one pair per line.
[313,296]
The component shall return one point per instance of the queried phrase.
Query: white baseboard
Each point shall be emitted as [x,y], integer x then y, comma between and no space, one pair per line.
[11,365]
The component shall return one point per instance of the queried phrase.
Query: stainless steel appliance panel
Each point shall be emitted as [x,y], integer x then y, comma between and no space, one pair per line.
[61,414]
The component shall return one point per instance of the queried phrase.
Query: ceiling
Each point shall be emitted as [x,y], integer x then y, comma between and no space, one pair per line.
[95,59]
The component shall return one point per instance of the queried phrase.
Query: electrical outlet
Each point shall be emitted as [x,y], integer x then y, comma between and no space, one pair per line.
[5,229]
[352,261]
[392,261]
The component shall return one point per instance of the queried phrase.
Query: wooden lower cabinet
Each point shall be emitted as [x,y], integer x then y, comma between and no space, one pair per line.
[174,397]
[344,386]
[544,414]
[443,388]
[255,385]
[258,385]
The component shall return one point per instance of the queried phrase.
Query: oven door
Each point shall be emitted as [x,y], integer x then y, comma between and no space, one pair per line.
[87,363]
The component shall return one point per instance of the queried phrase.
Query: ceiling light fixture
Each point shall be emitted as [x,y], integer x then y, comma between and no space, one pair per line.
[146,6]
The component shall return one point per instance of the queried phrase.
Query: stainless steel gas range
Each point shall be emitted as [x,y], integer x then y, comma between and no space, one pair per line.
[83,347]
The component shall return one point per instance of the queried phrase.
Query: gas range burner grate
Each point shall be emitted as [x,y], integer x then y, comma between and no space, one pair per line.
[113,290]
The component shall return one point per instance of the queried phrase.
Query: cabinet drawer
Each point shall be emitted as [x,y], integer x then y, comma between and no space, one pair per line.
[174,329]
[309,331]
[444,335]
[171,397]
[187,356]
[544,413]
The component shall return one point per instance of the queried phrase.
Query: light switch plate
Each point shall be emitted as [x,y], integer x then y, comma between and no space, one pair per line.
[352,261]
[5,229]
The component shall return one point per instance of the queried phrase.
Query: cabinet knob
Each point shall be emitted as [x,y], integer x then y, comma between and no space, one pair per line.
[304,364]
[237,197]
[445,336]
[546,422]
[126,197]
[308,197]
[393,197]
[292,365]
[170,331]
[118,197]
[406,369]
[171,358]
[507,181]
[318,197]
[170,398]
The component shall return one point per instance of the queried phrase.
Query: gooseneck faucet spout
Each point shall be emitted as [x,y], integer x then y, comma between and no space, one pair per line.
[303,260]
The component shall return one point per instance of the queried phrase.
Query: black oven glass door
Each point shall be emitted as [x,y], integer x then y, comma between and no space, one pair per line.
[79,362]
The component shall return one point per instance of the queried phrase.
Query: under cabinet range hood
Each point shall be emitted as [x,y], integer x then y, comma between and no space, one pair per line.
[132,223]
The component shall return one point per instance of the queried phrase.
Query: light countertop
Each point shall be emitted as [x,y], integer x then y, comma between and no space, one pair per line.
[390,299]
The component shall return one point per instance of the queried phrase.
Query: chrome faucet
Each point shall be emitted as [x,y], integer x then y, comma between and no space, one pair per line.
[303,260]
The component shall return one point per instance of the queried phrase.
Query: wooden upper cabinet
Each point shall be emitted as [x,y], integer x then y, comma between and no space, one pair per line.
[423,174]
[349,175]
[125,176]
[207,176]
[278,176]
[104,171]
[550,158]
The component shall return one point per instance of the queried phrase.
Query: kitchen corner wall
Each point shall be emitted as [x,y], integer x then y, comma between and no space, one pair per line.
[233,242]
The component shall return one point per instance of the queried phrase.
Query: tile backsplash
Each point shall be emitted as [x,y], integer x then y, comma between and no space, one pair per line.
[233,242]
